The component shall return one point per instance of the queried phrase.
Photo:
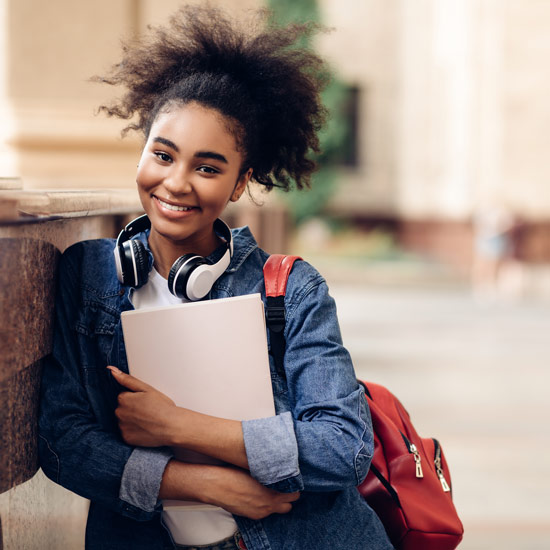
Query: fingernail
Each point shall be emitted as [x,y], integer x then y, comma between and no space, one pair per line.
[115,370]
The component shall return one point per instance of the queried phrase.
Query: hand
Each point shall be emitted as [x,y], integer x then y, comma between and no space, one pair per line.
[242,495]
[230,488]
[148,418]
[144,414]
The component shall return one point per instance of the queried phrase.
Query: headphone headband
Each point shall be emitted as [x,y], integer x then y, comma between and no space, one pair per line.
[133,228]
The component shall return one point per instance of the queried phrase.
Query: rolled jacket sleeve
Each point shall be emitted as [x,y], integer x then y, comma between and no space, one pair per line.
[331,429]
[142,477]
[272,452]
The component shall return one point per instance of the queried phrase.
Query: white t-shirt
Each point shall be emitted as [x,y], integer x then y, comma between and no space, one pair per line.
[190,524]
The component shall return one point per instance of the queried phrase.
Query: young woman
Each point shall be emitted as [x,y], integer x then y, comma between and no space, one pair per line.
[220,108]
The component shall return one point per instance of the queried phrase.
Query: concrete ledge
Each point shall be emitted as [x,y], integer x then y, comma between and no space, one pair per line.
[268,223]
[18,205]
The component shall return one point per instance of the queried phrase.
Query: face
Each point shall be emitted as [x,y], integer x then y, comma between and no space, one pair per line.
[188,172]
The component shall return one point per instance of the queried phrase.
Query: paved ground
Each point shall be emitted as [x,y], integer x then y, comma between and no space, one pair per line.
[476,375]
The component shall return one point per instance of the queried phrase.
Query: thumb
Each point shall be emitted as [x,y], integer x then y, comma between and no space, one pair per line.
[128,381]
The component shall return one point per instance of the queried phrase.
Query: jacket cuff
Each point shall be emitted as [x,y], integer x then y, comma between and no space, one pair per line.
[142,476]
[272,450]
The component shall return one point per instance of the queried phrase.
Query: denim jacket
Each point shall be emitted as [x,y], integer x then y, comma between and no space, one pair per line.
[320,442]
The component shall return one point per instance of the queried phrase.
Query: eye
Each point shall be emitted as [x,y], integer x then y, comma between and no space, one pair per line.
[162,156]
[208,170]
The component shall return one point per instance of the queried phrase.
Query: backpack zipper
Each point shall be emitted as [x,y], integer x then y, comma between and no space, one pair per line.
[439,467]
[416,455]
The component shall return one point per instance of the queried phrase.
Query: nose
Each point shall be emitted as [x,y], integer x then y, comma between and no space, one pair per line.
[177,181]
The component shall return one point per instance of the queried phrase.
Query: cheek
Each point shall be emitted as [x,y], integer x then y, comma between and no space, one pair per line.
[218,196]
[145,177]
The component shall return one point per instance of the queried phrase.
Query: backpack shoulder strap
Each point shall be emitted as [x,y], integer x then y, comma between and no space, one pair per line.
[277,269]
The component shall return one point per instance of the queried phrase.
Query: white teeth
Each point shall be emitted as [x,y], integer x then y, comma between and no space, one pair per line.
[173,207]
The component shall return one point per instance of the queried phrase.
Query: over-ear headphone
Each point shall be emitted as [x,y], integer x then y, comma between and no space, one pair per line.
[191,277]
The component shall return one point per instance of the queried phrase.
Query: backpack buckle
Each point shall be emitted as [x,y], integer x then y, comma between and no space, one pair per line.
[275,313]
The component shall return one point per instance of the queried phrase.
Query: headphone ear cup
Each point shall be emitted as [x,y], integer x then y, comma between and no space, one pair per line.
[180,272]
[192,277]
[142,269]
[132,269]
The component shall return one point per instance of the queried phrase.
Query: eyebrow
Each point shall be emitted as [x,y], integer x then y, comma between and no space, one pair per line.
[166,142]
[198,154]
[210,155]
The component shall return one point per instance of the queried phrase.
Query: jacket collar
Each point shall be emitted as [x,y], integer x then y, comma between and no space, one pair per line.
[243,245]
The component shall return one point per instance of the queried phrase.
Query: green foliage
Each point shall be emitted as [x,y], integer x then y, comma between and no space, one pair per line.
[307,204]
[334,136]
[294,11]
[336,132]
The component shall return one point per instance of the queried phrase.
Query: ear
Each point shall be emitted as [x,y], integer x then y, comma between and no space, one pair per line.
[242,182]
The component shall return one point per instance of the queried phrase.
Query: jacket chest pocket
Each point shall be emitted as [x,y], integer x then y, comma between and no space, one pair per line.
[97,335]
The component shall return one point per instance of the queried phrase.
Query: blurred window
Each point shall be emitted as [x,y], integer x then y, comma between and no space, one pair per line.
[348,154]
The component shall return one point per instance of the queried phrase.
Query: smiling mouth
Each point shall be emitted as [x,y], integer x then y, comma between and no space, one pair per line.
[174,207]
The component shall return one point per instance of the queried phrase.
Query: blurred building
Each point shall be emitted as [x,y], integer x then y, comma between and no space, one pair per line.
[453,114]
[449,103]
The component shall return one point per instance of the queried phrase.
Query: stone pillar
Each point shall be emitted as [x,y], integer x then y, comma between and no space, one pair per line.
[436,139]
[50,136]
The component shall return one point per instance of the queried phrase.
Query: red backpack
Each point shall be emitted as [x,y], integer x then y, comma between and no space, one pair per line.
[408,484]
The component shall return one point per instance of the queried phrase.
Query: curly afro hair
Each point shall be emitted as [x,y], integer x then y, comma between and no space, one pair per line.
[252,72]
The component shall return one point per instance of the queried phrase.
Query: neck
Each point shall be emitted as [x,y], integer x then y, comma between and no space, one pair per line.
[166,252]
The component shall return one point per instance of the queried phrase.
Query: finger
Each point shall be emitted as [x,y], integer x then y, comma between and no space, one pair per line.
[284,508]
[129,381]
[124,396]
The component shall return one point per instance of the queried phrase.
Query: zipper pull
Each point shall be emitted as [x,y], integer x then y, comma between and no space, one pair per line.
[417,460]
[444,483]
[440,475]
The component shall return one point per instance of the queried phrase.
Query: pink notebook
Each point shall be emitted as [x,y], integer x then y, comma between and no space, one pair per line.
[208,356]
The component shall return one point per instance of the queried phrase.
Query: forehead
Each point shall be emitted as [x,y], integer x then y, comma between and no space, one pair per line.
[193,126]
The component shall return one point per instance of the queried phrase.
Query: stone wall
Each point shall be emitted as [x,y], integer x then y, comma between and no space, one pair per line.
[35,227]
[34,512]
